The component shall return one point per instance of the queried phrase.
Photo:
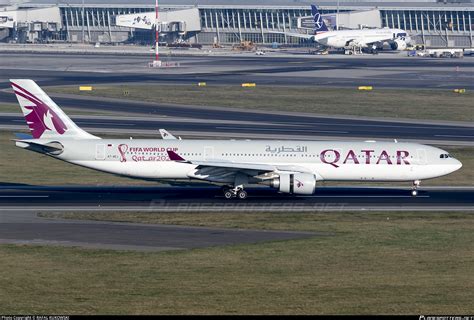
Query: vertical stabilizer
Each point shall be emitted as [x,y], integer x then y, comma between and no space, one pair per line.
[319,25]
[44,118]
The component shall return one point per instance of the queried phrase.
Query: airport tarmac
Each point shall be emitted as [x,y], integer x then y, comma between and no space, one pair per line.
[200,198]
[385,70]
[211,122]
[27,228]
[20,203]
[305,129]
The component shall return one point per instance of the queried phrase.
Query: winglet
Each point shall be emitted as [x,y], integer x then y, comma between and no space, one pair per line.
[166,135]
[175,157]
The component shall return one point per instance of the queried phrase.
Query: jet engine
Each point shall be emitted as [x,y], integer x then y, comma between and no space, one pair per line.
[298,183]
[398,44]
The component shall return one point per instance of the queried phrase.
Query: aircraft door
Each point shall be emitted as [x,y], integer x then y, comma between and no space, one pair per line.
[422,156]
[100,152]
[208,153]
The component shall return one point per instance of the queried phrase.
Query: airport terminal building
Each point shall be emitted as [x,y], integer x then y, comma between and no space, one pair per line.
[436,24]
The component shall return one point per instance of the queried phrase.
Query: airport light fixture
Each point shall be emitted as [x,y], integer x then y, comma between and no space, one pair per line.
[156,62]
[82,18]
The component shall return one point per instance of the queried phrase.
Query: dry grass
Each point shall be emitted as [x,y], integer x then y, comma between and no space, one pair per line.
[391,103]
[10,108]
[376,263]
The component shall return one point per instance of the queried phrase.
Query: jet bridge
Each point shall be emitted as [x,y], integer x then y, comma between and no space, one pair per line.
[345,20]
[173,24]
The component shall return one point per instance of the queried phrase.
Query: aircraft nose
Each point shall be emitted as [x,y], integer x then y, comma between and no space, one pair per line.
[456,165]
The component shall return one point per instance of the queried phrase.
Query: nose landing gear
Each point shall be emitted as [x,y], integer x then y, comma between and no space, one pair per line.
[414,191]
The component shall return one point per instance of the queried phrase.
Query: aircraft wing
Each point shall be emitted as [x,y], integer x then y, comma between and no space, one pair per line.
[295,34]
[239,166]
[251,166]
[376,40]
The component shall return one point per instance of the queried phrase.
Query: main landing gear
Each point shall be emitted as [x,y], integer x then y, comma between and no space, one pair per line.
[236,192]
[414,191]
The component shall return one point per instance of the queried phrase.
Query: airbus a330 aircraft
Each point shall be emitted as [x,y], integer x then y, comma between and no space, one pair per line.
[294,167]
[363,38]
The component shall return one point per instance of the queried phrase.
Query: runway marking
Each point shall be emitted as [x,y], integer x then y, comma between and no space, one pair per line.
[92,123]
[214,208]
[278,129]
[24,196]
[322,197]
[452,136]
[104,123]
[407,125]
[363,197]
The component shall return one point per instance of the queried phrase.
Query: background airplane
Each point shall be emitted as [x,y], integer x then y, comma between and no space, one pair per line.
[294,167]
[372,39]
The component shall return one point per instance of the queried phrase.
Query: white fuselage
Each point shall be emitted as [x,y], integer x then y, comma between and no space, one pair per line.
[361,38]
[349,161]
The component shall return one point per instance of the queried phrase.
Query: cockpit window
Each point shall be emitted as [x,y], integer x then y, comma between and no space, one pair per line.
[445,156]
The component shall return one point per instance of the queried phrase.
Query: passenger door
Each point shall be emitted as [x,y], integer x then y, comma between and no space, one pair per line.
[208,153]
[422,156]
[100,152]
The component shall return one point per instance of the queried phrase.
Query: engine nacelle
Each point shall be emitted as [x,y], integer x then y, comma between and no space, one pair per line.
[298,183]
[398,44]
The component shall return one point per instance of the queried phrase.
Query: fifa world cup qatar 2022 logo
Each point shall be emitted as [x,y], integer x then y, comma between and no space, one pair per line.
[143,153]
[123,148]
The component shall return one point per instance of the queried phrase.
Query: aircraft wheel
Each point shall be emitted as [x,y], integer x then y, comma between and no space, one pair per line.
[242,194]
[228,194]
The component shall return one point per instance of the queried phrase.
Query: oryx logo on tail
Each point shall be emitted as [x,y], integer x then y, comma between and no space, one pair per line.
[39,116]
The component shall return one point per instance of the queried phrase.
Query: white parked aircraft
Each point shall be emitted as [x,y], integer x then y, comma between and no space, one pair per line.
[363,38]
[290,166]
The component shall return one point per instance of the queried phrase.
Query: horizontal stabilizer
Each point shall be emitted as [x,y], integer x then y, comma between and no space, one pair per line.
[54,148]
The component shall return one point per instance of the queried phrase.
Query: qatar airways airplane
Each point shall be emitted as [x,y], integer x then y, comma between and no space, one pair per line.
[292,166]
